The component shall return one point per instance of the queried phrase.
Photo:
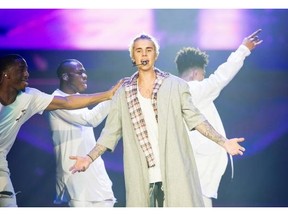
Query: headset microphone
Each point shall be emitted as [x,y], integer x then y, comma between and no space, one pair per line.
[142,63]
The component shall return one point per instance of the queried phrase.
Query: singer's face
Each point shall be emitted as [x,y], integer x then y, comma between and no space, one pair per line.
[144,50]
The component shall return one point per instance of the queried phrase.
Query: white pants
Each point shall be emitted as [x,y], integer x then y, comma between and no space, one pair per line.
[7,194]
[105,203]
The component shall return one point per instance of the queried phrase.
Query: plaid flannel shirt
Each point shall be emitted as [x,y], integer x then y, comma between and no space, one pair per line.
[136,115]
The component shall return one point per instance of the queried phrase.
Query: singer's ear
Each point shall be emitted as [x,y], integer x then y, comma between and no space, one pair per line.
[65,76]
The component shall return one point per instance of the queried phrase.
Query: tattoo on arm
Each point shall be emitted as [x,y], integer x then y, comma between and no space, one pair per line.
[97,151]
[206,129]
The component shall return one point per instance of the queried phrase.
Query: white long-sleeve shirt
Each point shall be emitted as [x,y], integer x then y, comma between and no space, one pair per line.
[211,159]
[72,133]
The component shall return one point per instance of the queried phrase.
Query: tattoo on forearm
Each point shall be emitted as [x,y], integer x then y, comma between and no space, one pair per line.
[97,151]
[208,131]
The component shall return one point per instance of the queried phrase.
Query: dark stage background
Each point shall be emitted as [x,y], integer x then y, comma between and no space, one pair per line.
[254,105]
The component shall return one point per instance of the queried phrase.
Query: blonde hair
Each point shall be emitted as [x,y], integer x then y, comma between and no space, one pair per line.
[147,37]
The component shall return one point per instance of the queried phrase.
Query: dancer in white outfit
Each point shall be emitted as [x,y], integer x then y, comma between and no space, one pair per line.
[73,134]
[211,159]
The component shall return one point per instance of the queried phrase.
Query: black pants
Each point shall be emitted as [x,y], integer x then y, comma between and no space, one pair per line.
[156,194]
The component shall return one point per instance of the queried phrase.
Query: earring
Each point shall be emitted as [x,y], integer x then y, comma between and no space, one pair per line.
[65,76]
[5,75]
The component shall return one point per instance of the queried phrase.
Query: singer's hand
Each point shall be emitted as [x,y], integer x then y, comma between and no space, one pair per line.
[233,147]
[81,164]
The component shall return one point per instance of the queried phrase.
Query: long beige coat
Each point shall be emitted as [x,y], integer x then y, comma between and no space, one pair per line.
[178,168]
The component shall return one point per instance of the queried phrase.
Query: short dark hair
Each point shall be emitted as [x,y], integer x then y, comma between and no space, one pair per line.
[189,57]
[62,68]
[8,61]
